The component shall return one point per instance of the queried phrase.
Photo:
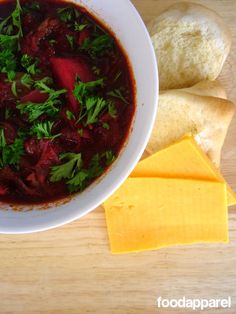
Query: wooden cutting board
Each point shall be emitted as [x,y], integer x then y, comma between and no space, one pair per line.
[71,269]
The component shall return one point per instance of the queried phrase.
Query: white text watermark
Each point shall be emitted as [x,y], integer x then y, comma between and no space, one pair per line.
[195,304]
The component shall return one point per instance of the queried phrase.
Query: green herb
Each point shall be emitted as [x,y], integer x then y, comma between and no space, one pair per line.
[70,115]
[110,157]
[8,113]
[43,85]
[95,169]
[91,106]
[27,80]
[8,40]
[52,42]
[49,107]
[67,14]
[112,111]
[96,70]
[78,182]
[5,28]
[68,169]
[77,177]
[106,126]
[79,27]
[2,139]
[71,40]
[80,132]
[8,64]
[10,154]
[117,94]
[83,90]
[30,64]
[81,178]
[34,6]
[16,18]
[14,89]
[98,45]
[94,106]
[117,76]
[44,130]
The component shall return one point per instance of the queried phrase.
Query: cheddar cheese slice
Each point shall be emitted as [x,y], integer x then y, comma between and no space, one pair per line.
[150,213]
[183,159]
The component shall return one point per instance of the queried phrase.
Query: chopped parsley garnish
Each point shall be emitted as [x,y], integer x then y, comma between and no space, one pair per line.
[30,64]
[106,126]
[117,94]
[79,27]
[10,154]
[14,89]
[9,42]
[92,105]
[73,172]
[110,157]
[83,90]
[112,109]
[8,113]
[67,170]
[96,70]
[43,85]
[50,107]
[44,130]
[67,14]
[71,41]
[8,63]
[27,80]
[33,6]
[98,46]
[70,115]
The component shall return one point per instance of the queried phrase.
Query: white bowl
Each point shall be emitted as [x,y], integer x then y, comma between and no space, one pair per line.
[123,19]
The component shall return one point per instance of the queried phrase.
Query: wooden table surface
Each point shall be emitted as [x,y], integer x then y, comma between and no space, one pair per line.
[71,269]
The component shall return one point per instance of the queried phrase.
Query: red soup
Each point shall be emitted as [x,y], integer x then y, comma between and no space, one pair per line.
[66,100]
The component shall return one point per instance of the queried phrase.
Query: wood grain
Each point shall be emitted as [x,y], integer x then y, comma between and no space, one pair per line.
[71,270]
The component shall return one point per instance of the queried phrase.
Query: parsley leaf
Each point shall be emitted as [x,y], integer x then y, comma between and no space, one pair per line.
[27,80]
[66,170]
[70,115]
[117,94]
[83,90]
[79,27]
[112,111]
[30,64]
[44,130]
[8,63]
[49,107]
[71,40]
[34,6]
[43,85]
[2,139]
[72,170]
[14,88]
[94,106]
[16,18]
[91,106]
[110,157]
[106,126]
[78,182]
[98,45]
[10,154]
[8,114]
[67,14]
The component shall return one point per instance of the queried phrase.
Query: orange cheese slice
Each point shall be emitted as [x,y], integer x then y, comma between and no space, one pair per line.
[183,159]
[150,213]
